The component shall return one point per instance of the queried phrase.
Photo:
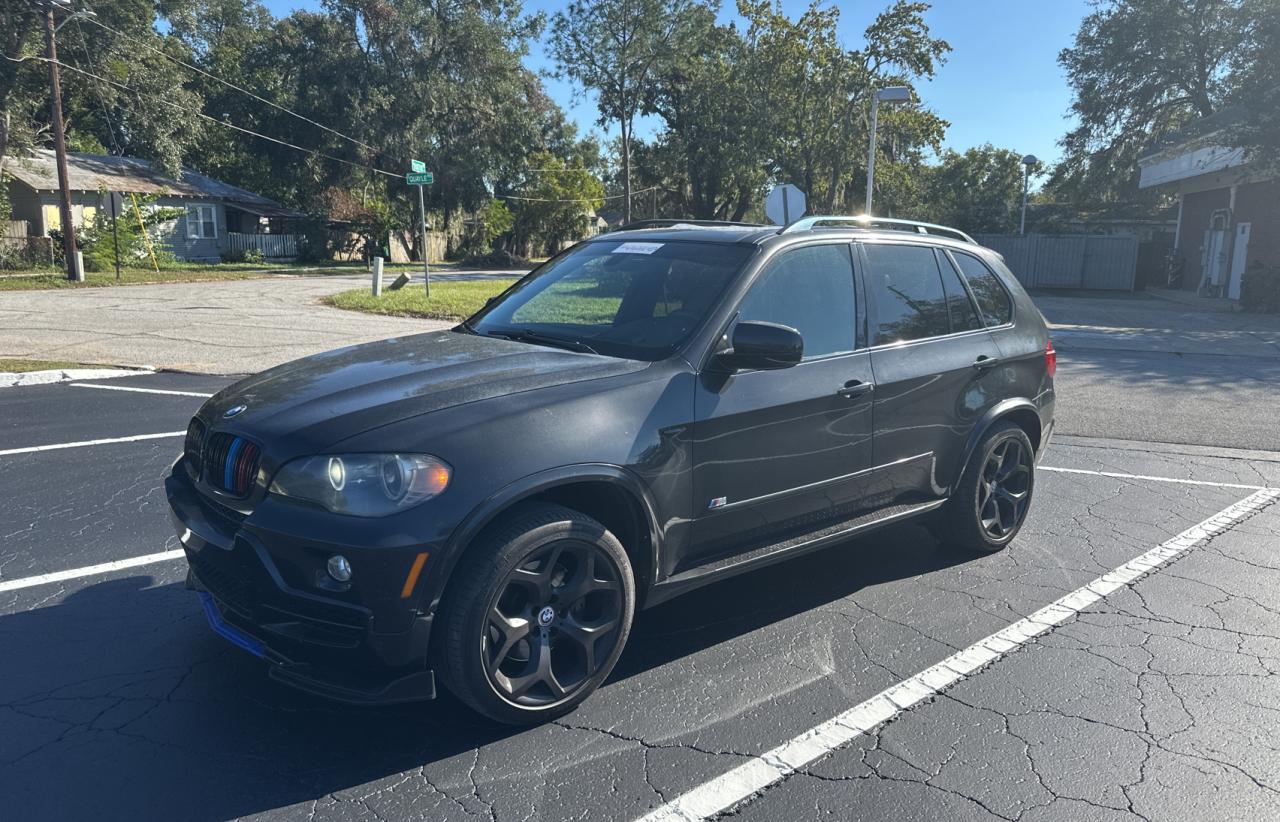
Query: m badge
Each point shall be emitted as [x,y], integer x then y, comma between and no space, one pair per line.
[718,502]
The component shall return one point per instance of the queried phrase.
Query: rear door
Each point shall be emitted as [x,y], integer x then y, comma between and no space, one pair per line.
[781,453]
[934,364]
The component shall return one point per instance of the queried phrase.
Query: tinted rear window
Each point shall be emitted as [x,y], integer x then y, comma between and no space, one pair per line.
[963,315]
[905,286]
[987,290]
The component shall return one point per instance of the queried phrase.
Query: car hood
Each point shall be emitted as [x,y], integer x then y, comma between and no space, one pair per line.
[312,403]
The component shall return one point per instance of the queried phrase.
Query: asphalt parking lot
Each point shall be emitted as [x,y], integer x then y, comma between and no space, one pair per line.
[859,682]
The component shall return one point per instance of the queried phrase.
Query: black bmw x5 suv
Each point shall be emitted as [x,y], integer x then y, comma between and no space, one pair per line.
[650,411]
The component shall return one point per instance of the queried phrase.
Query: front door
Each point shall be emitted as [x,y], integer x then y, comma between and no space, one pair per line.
[780,453]
[936,369]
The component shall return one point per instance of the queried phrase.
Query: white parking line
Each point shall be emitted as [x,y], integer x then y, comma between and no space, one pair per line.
[1119,475]
[88,571]
[31,449]
[725,791]
[138,390]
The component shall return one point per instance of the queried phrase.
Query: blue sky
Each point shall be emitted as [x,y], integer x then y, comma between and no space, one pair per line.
[1001,83]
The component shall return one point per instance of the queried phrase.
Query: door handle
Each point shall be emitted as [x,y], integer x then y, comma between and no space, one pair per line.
[984,362]
[856,388]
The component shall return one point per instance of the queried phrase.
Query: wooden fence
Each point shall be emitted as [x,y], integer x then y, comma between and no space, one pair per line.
[15,229]
[1086,261]
[272,246]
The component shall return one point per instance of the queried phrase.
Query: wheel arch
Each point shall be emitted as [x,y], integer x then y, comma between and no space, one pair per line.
[608,493]
[1021,412]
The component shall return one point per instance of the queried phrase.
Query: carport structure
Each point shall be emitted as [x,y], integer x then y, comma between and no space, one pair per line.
[1115,662]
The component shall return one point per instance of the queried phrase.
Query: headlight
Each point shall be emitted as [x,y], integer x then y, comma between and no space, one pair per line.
[363,485]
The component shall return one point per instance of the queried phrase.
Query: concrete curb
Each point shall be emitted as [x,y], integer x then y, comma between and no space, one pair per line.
[10,379]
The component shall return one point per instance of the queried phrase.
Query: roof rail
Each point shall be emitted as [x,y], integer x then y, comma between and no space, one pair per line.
[808,223]
[672,222]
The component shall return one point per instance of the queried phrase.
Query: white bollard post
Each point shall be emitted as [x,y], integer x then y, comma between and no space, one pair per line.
[377,276]
[79,266]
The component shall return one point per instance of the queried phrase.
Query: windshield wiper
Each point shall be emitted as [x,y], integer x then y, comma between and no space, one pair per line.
[545,339]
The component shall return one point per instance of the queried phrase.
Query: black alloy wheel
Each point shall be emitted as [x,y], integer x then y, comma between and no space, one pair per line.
[990,502]
[552,624]
[1004,492]
[535,616]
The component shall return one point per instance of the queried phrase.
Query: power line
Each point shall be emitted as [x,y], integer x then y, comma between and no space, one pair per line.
[587,200]
[211,119]
[106,115]
[231,85]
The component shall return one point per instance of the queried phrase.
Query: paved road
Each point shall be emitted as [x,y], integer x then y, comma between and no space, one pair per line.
[1157,701]
[1142,368]
[230,327]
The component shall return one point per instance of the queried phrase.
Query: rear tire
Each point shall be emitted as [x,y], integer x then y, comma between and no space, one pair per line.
[536,615]
[991,501]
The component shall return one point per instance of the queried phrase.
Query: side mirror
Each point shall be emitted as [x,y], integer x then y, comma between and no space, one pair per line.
[762,346]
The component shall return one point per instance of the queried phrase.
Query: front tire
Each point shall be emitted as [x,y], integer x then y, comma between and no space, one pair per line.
[991,501]
[536,615]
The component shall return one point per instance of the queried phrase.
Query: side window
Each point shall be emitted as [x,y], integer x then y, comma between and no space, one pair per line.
[811,290]
[904,283]
[963,316]
[991,295]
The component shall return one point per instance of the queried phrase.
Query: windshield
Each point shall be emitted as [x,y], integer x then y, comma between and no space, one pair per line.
[639,300]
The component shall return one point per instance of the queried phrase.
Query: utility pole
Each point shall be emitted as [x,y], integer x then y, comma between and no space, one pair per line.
[59,140]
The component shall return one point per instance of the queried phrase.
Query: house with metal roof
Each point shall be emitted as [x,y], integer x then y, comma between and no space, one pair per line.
[216,218]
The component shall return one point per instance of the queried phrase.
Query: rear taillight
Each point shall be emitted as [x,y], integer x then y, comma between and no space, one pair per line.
[1051,360]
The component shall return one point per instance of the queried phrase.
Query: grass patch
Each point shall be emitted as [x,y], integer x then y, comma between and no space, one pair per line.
[25,281]
[450,300]
[181,272]
[17,366]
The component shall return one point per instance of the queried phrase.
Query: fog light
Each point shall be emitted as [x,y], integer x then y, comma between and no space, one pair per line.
[339,568]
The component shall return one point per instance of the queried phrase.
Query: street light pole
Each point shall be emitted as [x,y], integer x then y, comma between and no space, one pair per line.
[1027,162]
[892,94]
[60,142]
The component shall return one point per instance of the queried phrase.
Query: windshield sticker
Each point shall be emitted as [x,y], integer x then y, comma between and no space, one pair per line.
[637,248]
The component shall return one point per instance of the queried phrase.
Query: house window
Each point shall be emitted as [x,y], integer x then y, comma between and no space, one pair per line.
[200,222]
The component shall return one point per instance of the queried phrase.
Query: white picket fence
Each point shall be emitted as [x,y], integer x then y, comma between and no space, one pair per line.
[273,246]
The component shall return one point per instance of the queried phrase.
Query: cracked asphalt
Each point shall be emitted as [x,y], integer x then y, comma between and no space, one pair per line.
[1157,702]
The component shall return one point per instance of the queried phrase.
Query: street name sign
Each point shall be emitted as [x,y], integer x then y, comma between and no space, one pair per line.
[424,178]
[417,165]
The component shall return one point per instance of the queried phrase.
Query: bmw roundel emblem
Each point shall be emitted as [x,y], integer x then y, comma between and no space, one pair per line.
[546,615]
[233,411]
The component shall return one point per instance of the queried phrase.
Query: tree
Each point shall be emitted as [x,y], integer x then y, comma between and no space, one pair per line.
[132,108]
[1256,91]
[1141,69]
[555,205]
[815,97]
[615,48]
[977,191]
[712,155]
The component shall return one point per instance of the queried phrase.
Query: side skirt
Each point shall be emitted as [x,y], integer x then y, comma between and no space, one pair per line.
[717,570]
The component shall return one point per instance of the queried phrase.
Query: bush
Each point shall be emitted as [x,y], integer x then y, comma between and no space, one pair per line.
[253,256]
[1260,289]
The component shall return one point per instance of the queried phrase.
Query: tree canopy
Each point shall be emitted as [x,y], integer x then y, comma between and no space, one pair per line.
[1141,69]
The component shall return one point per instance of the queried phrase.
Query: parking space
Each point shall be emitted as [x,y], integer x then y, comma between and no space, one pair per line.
[1151,702]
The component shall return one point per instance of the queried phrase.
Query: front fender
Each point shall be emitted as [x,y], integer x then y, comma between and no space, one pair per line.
[502,500]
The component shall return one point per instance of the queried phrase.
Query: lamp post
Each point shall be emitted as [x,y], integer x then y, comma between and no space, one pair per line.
[892,94]
[1027,162]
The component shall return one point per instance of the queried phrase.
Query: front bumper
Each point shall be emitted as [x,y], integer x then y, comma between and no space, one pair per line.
[361,643]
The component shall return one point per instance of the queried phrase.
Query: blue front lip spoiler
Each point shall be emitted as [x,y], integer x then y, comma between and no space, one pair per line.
[228,632]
